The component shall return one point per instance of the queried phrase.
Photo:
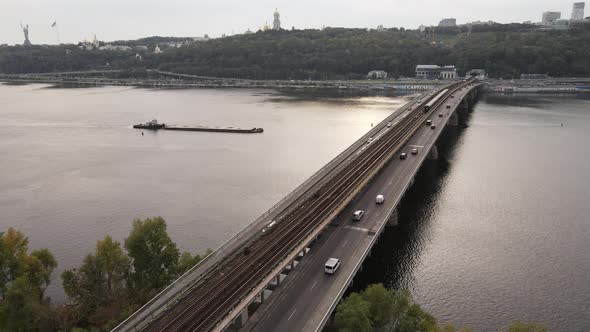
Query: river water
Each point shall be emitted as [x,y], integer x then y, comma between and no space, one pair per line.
[496,230]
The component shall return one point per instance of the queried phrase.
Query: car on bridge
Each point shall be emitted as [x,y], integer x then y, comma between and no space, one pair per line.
[332,265]
[428,122]
[358,215]
[379,199]
[433,127]
[440,115]
[414,151]
[403,156]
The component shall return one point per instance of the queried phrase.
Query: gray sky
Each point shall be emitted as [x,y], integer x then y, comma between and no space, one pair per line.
[131,19]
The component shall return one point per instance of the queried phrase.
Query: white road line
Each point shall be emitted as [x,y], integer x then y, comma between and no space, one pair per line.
[291,315]
[416,146]
[312,286]
[345,242]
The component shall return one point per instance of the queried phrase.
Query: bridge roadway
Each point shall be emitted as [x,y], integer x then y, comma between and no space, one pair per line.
[167,300]
[168,297]
[307,297]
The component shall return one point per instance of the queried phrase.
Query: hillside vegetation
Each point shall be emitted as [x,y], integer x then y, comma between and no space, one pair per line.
[336,53]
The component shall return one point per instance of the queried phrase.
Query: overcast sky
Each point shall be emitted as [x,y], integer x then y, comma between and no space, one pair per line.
[131,19]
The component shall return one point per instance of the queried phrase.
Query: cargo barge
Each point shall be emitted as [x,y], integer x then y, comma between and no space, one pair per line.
[155,125]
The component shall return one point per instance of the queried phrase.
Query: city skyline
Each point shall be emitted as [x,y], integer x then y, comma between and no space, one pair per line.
[132,19]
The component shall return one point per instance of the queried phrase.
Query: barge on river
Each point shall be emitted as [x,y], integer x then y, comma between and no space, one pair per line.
[155,125]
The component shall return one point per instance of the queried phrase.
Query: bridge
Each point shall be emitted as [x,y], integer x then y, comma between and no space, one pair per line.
[269,276]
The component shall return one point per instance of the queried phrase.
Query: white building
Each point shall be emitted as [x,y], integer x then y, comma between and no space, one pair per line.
[578,11]
[550,17]
[276,23]
[377,74]
[436,72]
[157,49]
[448,22]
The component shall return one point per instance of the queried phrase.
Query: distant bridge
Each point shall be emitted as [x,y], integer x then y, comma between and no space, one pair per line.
[264,277]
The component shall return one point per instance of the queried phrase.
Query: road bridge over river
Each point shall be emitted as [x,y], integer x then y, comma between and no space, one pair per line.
[271,278]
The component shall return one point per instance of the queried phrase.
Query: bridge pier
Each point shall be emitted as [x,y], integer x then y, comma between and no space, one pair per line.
[243,318]
[393,219]
[433,153]
[453,119]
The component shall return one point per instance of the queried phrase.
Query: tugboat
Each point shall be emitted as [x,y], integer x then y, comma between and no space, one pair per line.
[152,125]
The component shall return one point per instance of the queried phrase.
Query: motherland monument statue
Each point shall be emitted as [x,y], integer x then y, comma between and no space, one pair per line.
[26,32]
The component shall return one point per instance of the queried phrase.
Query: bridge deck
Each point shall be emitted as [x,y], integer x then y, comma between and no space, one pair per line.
[307,297]
[170,295]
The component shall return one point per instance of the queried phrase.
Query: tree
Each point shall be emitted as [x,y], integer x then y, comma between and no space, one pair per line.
[187,261]
[15,246]
[86,286]
[38,269]
[114,262]
[5,263]
[352,315]
[380,304]
[18,311]
[153,254]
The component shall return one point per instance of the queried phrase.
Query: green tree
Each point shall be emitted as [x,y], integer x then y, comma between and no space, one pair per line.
[16,245]
[187,261]
[5,263]
[19,310]
[352,315]
[86,286]
[39,266]
[380,302]
[114,262]
[153,254]
[526,327]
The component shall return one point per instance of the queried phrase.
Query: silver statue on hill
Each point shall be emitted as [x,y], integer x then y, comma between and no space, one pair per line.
[26,32]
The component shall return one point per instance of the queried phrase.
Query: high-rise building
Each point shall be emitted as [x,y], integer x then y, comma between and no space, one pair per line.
[550,17]
[448,22]
[276,23]
[578,11]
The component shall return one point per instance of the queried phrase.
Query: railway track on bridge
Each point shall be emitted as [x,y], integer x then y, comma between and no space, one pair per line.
[224,286]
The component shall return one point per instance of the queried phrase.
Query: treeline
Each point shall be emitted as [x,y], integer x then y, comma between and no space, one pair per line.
[111,283]
[339,53]
[378,309]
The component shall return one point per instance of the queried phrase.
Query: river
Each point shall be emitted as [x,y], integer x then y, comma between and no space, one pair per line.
[496,230]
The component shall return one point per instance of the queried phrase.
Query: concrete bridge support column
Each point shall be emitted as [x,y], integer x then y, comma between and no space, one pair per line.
[433,154]
[243,317]
[465,102]
[454,119]
[393,219]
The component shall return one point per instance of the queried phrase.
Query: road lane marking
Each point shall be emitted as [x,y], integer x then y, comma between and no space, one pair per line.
[416,146]
[312,286]
[345,242]
[291,315]
[357,228]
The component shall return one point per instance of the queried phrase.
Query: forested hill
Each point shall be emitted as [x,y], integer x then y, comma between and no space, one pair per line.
[336,53]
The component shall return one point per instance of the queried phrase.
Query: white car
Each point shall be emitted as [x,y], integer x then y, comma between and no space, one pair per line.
[379,199]
[358,215]
[332,265]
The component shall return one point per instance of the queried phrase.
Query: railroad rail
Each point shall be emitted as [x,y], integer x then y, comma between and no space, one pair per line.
[216,294]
